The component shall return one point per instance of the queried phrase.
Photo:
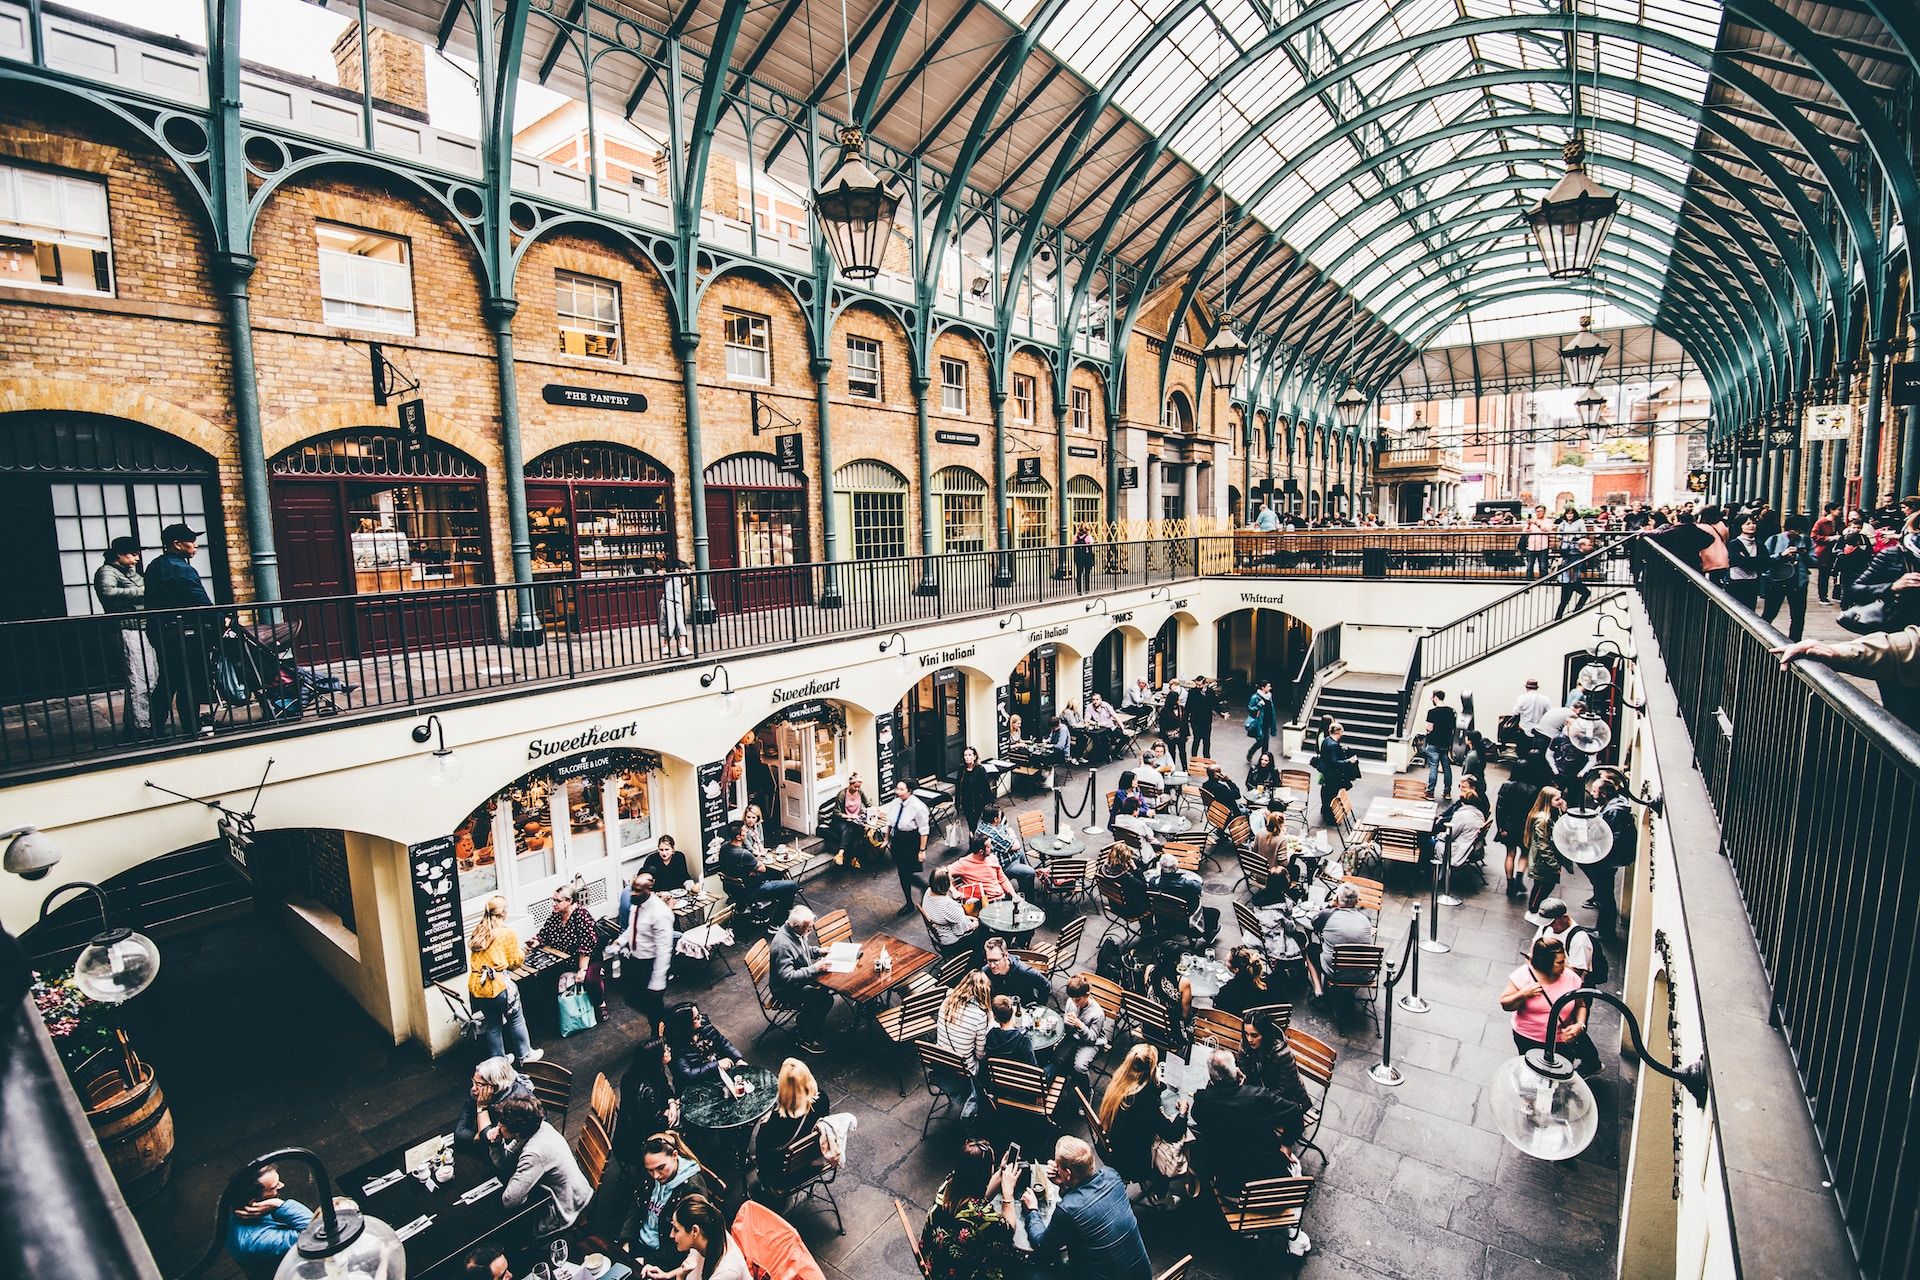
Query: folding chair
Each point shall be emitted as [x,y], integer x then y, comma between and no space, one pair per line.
[1254,872]
[1280,1014]
[1186,853]
[1178,1271]
[947,1080]
[1356,970]
[1150,1021]
[1064,952]
[906,1022]
[955,967]
[832,927]
[1102,1140]
[1397,848]
[806,1174]
[1314,1059]
[1409,789]
[1264,1206]
[604,1103]
[760,967]
[1218,815]
[1063,880]
[593,1148]
[1171,918]
[1023,1090]
[553,1086]
[1371,892]
[1113,905]
[1220,1027]
[1031,824]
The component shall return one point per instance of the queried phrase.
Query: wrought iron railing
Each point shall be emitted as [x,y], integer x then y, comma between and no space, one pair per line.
[1522,612]
[1392,553]
[1817,790]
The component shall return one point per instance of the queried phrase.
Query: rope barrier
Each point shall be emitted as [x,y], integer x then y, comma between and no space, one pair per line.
[1384,1072]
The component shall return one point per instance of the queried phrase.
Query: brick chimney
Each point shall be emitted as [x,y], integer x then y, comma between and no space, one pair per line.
[396,64]
[720,195]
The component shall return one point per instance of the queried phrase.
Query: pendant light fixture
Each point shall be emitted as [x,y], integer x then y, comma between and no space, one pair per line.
[1571,221]
[856,209]
[1581,356]
[1226,354]
[1589,407]
[1351,408]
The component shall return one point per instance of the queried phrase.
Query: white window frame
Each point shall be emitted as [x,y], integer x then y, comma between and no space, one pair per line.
[1026,389]
[749,341]
[65,219]
[360,291]
[859,385]
[1080,412]
[953,385]
[588,328]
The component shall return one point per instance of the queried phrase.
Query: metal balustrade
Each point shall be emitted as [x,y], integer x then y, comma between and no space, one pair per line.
[1817,790]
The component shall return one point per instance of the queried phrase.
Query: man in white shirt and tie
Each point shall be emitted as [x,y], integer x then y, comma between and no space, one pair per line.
[647,945]
[908,826]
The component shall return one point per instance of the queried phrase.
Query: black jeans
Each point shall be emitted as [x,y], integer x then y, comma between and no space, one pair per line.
[1568,590]
[906,862]
[636,977]
[813,1002]
[183,683]
[1794,596]
[1604,880]
[1203,737]
[1083,576]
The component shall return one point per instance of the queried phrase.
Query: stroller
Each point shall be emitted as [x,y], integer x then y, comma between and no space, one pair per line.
[254,666]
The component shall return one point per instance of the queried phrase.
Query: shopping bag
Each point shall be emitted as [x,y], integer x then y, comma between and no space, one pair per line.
[576,1012]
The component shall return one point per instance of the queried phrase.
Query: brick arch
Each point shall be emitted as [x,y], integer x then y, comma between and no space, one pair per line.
[344,415]
[21,395]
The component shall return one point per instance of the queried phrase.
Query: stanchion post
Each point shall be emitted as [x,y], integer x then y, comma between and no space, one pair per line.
[1384,1072]
[1432,941]
[1412,1002]
[1093,827]
[1445,898]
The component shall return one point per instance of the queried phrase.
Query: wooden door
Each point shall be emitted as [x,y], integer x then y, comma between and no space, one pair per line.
[309,528]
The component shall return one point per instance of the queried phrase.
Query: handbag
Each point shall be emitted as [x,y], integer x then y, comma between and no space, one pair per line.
[1864,618]
[576,1012]
[471,1025]
[1169,1158]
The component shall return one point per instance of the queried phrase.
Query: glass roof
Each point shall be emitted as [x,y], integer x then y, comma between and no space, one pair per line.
[1360,173]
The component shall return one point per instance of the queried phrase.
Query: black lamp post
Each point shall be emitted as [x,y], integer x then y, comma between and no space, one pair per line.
[1544,1108]
[341,1243]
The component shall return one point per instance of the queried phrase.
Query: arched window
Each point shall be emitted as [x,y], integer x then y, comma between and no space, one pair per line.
[871,498]
[1083,502]
[1177,413]
[962,495]
[1032,513]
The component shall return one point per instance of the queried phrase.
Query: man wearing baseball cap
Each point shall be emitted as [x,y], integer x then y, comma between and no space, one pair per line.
[179,638]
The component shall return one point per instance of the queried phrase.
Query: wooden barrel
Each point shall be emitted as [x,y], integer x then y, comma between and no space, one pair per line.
[134,1127]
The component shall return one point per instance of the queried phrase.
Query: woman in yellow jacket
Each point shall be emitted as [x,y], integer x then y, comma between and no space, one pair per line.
[493,948]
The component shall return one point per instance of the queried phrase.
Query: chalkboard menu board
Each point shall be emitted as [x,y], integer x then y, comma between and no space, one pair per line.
[1086,684]
[886,729]
[1002,711]
[711,779]
[436,909]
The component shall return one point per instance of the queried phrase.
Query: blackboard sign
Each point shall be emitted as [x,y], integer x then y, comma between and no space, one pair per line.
[594,398]
[1002,710]
[1904,378]
[956,437]
[1026,470]
[711,779]
[436,909]
[413,426]
[1082,451]
[787,449]
[1086,684]
[886,749]
[804,711]
[1129,477]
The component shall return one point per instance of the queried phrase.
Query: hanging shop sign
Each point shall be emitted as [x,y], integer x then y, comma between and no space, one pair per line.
[1696,481]
[1082,451]
[956,437]
[1750,444]
[1086,683]
[1904,380]
[1782,438]
[1830,422]
[1026,470]
[787,450]
[593,398]
[711,780]
[436,909]
[1002,714]
[1129,477]
[886,749]
[413,426]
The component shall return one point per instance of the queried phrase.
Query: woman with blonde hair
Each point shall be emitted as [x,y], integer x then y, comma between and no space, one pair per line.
[1136,1121]
[493,948]
[800,1104]
[1543,860]
[964,1019]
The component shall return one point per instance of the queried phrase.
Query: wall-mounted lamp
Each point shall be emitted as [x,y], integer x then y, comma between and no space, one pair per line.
[31,853]
[341,1243]
[1596,676]
[1544,1108]
[118,964]
[443,767]
[1015,620]
[729,700]
[1100,604]
[902,659]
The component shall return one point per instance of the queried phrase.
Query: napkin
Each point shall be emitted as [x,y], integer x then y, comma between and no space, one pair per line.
[414,1228]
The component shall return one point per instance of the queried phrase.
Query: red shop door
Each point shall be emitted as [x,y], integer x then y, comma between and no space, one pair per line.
[309,528]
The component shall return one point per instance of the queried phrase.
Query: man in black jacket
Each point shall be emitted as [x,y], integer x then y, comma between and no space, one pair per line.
[180,640]
[1203,707]
[1240,1128]
[1009,976]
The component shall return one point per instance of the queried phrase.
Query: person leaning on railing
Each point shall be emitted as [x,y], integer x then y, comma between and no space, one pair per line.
[1890,658]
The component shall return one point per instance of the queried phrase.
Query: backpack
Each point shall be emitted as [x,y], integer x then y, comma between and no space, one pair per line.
[1109,962]
[1602,967]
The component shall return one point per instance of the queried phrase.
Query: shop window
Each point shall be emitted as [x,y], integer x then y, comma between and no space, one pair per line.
[584,816]
[963,509]
[88,516]
[768,524]
[953,385]
[589,313]
[53,232]
[749,347]
[366,279]
[1083,503]
[863,368]
[879,525]
[1023,396]
[1080,409]
[1032,523]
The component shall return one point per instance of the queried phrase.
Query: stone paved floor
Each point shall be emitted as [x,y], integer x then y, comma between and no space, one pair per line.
[256,1049]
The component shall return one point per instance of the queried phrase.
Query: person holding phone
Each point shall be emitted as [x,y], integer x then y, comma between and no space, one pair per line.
[1093,1222]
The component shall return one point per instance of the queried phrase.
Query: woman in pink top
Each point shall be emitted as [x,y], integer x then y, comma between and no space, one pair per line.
[1531,991]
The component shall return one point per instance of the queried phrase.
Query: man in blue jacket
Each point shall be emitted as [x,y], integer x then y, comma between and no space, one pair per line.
[265,1224]
[1093,1221]
[179,640]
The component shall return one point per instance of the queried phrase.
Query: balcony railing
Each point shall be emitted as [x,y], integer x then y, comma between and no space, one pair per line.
[270,667]
[1817,790]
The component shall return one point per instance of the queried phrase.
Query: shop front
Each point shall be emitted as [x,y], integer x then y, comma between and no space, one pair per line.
[756,520]
[933,725]
[791,764]
[1108,668]
[870,500]
[1163,654]
[588,815]
[601,513]
[358,513]
[1260,644]
[1031,693]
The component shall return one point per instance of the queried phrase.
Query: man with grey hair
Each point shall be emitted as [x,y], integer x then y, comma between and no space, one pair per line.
[1342,924]
[796,961]
[1093,1221]
[1243,1132]
[1171,880]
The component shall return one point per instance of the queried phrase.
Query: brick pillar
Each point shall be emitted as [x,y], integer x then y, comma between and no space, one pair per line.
[396,66]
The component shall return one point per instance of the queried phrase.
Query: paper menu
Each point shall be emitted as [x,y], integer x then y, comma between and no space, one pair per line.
[842,957]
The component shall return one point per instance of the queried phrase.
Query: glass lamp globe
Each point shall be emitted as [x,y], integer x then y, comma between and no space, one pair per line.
[444,768]
[1594,676]
[1583,836]
[1589,733]
[729,704]
[1545,1111]
[116,966]
[903,663]
[372,1250]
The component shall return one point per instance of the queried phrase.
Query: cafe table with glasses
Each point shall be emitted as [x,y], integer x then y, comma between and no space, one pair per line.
[1012,919]
[442,1198]
[859,979]
[1387,813]
[727,1105]
[1056,844]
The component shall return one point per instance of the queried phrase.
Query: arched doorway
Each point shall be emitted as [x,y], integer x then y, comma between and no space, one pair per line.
[1108,665]
[756,519]
[1261,644]
[602,513]
[792,764]
[933,726]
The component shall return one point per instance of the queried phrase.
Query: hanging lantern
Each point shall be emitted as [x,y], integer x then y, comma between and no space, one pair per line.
[1415,436]
[1351,407]
[1589,407]
[1580,358]
[1571,221]
[1226,357]
[856,210]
